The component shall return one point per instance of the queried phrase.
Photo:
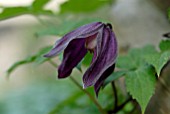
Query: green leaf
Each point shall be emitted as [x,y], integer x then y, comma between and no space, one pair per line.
[163,60]
[13,11]
[34,9]
[153,60]
[82,6]
[135,57]
[37,58]
[19,63]
[141,85]
[137,54]
[37,7]
[114,76]
[39,4]
[164,45]
[158,60]
[123,62]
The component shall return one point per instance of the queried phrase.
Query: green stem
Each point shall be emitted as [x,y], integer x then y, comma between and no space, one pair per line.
[115,95]
[53,63]
[89,95]
[85,91]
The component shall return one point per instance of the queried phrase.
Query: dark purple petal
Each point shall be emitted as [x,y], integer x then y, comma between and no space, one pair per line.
[81,32]
[100,81]
[94,56]
[73,54]
[106,54]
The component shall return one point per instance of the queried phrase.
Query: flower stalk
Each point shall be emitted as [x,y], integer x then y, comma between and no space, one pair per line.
[85,91]
[115,95]
[89,95]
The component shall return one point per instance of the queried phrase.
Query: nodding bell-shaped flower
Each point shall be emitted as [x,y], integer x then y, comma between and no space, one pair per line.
[99,39]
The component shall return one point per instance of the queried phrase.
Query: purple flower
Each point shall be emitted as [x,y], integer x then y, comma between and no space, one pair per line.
[99,39]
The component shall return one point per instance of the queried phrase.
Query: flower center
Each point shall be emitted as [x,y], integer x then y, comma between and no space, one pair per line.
[91,43]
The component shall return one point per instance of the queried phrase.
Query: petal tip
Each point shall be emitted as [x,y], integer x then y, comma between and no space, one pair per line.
[60,76]
[46,55]
[49,54]
[84,86]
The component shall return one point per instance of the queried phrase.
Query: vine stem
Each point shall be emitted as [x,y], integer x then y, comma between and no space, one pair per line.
[85,91]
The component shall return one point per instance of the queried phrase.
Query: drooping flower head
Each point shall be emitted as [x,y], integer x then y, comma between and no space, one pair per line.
[99,39]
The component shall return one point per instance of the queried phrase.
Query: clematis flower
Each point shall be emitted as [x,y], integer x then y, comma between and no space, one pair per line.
[99,39]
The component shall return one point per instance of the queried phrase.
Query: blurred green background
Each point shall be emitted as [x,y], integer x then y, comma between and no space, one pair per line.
[34,88]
